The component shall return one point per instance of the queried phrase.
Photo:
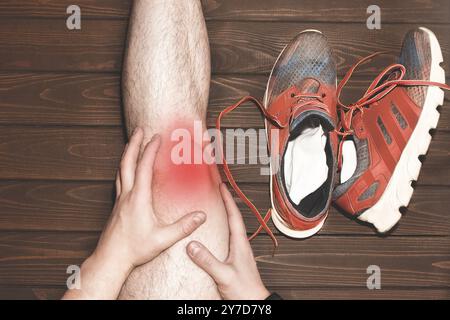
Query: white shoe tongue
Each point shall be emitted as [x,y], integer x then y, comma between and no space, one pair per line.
[305,163]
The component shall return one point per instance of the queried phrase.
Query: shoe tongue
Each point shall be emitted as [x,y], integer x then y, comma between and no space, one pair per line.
[308,85]
[311,117]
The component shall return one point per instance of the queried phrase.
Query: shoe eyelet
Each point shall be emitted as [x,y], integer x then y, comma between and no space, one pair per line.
[324,95]
[292,95]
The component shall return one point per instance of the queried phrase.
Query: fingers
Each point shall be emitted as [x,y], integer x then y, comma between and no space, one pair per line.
[129,160]
[235,221]
[203,258]
[144,173]
[180,229]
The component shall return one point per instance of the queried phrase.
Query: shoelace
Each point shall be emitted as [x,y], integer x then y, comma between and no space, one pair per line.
[306,99]
[383,84]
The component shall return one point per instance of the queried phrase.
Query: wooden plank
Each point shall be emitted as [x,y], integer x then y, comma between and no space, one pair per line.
[27,293]
[60,99]
[236,47]
[251,47]
[356,294]
[104,9]
[60,153]
[417,11]
[86,206]
[53,205]
[94,99]
[41,259]
[55,293]
[343,261]
[38,44]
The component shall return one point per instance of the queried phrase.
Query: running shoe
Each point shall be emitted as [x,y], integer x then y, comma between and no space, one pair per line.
[301,93]
[301,118]
[385,132]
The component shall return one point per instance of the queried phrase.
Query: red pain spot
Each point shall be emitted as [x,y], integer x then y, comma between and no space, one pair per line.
[180,170]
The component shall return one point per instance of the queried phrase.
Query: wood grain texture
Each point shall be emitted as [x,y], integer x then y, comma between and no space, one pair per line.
[236,47]
[41,259]
[95,99]
[251,47]
[86,206]
[90,9]
[74,153]
[57,153]
[60,99]
[420,11]
[61,138]
[343,261]
[337,293]
[345,294]
[49,45]
[30,293]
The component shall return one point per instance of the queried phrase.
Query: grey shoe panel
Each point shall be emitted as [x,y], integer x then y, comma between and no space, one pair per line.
[362,163]
[308,56]
[416,57]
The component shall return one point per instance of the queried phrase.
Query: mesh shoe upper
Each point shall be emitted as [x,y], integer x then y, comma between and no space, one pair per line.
[308,56]
[416,57]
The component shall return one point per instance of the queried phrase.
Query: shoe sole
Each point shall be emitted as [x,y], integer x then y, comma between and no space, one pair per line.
[276,218]
[385,214]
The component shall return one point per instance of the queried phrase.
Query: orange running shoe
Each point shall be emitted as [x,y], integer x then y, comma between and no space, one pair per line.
[301,93]
[300,109]
[386,131]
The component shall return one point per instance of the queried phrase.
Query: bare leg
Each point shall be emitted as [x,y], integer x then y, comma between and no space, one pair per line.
[165,85]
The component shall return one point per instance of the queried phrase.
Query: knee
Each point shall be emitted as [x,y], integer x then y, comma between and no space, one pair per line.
[182,173]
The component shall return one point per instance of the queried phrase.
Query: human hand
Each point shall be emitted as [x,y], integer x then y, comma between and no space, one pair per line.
[133,235]
[237,278]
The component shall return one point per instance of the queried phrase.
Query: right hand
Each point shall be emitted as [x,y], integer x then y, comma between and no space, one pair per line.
[237,278]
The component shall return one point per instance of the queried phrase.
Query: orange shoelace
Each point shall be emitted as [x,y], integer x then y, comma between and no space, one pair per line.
[383,84]
[308,99]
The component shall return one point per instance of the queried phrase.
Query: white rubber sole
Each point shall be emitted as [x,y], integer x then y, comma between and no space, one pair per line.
[385,214]
[276,218]
[298,234]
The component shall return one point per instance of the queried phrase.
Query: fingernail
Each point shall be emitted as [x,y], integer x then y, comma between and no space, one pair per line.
[194,248]
[199,218]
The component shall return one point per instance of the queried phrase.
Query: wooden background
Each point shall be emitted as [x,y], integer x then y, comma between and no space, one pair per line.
[61,136]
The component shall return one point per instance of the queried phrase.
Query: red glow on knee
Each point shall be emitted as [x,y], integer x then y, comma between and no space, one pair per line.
[180,172]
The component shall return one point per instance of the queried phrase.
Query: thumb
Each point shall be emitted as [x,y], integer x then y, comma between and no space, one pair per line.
[203,258]
[181,228]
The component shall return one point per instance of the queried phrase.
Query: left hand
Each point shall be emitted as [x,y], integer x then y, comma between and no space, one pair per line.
[134,235]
